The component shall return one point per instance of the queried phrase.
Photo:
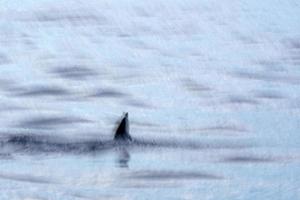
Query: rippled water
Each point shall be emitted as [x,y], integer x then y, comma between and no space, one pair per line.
[212,86]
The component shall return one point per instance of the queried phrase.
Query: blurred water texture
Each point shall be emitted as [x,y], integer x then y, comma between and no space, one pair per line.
[223,75]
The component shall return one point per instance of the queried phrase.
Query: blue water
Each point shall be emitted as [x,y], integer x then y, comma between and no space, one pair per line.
[221,75]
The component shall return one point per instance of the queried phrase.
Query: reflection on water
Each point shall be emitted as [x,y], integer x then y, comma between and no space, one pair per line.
[123,157]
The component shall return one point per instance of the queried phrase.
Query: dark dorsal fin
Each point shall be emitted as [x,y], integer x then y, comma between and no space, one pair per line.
[122,132]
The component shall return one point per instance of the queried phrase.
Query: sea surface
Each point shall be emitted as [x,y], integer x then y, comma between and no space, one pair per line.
[213,85]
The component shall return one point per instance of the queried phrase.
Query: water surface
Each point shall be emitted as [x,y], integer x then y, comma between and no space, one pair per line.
[212,86]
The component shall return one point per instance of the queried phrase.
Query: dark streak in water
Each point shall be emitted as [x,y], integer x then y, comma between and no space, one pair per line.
[193,86]
[271,65]
[138,103]
[51,122]
[73,17]
[106,93]
[167,175]
[248,159]
[43,91]
[188,144]
[292,43]
[269,95]
[144,124]
[48,17]
[293,46]
[228,128]
[242,100]
[269,77]
[26,178]
[74,72]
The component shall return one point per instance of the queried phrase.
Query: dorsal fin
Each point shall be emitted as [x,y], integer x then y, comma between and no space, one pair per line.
[122,132]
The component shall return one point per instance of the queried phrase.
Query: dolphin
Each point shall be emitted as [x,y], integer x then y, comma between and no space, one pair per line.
[122,138]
